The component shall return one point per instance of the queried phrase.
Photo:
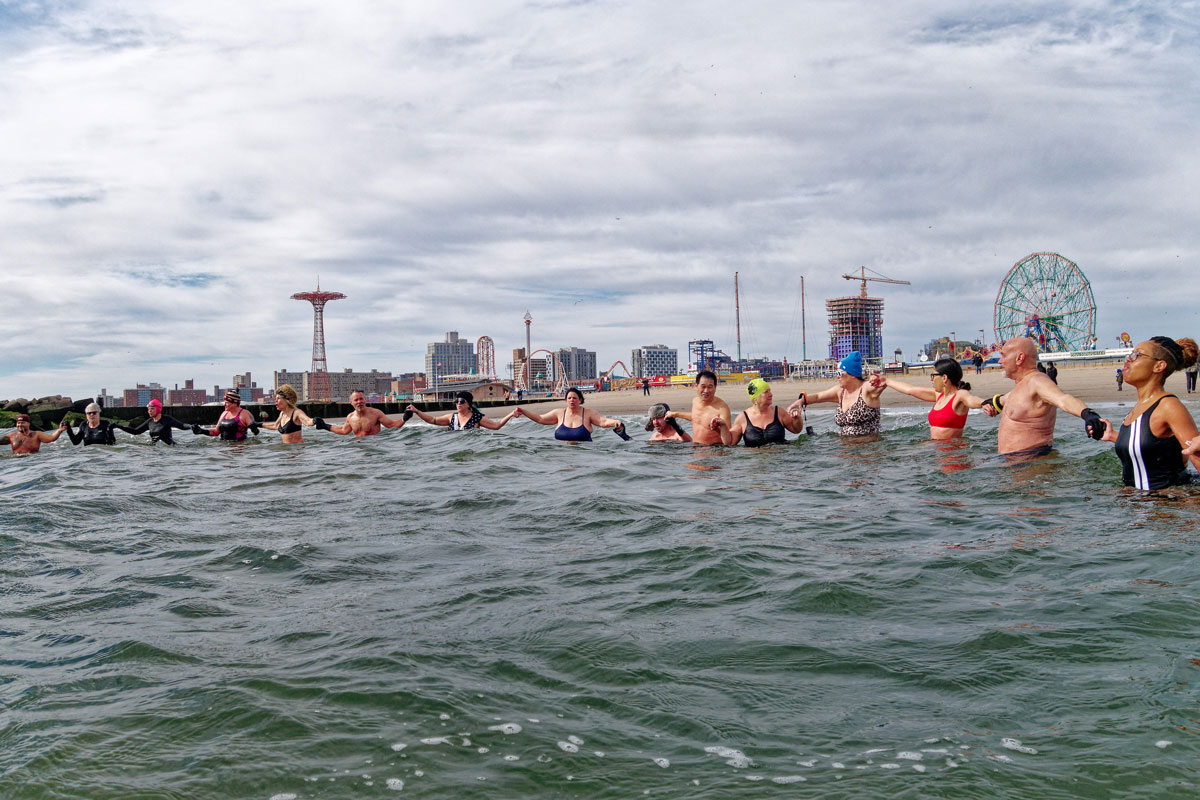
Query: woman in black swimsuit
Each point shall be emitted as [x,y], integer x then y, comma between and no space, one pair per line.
[93,430]
[464,417]
[1158,434]
[233,422]
[290,418]
[762,423]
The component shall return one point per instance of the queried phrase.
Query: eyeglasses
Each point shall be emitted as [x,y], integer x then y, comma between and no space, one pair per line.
[91,413]
[459,400]
[1135,355]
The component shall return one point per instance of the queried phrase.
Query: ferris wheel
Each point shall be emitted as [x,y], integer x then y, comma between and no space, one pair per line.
[1047,298]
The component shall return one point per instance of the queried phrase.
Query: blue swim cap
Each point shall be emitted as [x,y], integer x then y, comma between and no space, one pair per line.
[852,365]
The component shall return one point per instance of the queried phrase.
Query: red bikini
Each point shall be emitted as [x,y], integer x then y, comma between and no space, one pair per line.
[945,417]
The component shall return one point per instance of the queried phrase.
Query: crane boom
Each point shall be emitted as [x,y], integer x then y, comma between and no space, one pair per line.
[864,278]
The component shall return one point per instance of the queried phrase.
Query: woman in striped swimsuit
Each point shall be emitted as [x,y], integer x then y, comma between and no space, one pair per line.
[1152,440]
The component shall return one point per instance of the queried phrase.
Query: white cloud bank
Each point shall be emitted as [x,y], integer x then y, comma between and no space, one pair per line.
[171,173]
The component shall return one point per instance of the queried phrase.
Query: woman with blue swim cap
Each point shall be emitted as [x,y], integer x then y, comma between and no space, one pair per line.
[856,395]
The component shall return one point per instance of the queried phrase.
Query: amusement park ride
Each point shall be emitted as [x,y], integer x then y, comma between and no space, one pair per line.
[1047,298]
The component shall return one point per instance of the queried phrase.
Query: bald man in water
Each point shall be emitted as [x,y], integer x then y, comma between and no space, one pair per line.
[1028,412]
[363,420]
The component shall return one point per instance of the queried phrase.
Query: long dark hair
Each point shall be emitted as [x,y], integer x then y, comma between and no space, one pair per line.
[577,391]
[951,370]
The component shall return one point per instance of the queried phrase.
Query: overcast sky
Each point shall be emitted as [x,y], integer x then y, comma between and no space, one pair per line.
[170,173]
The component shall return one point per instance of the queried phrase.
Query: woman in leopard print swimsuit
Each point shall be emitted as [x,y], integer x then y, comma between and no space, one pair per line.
[857,398]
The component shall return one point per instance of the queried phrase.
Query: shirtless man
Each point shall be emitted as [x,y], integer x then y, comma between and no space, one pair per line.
[24,440]
[706,409]
[363,421]
[1027,413]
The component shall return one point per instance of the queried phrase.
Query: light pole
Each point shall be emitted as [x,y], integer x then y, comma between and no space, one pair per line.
[982,338]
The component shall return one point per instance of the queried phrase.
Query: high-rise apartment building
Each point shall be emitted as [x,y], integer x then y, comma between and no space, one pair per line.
[579,364]
[136,398]
[455,356]
[189,395]
[654,359]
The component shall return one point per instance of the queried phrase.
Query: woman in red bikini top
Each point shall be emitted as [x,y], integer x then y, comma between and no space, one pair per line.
[951,397]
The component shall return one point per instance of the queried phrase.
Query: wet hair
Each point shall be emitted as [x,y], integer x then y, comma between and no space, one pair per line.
[706,373]
[577,391]
[951,370]
[287,393]
[1181,353]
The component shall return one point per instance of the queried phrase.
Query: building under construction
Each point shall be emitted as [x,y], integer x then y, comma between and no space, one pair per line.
[855,323]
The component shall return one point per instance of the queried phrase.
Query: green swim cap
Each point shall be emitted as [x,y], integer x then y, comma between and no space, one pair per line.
[756,387]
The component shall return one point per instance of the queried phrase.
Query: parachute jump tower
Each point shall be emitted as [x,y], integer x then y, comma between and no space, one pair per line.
[319,387]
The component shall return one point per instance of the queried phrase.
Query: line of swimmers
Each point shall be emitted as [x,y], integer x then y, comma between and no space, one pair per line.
[1154,442]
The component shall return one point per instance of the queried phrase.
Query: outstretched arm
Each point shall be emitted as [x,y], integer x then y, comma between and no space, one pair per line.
[1183,428]
[549,418]
[496,424]
[1049,392]
[75,436]
[925,393]
[829,395]
[430,418]
[794,422]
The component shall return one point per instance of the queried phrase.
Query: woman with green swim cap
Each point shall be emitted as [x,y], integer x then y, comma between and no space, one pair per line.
[761,424]
[856,395]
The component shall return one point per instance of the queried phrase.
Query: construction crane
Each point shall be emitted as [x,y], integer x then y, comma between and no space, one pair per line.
[863,277]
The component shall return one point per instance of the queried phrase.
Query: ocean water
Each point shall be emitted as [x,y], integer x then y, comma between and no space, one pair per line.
[496,615]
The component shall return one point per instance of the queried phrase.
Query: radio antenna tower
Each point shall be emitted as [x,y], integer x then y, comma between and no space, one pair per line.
[319,387]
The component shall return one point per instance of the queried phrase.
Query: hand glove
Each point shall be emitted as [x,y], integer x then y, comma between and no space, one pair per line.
[197,430]
[620,431]
[407,415]
[1092,423]
[320,424]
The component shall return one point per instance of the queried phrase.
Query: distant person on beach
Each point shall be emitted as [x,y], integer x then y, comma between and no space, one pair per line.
[26,440]
[1158,433]
[1028,411]
[1052,372]
[978,362]
[363,420]
[93,430]
[575,423]
[951,397]
[1120,378]
[1190,375]
[857,397]
[159,425]
[665,430]
[464,417]
[706,409]
[646,386]
[291,420]
[233,422]
[761,424]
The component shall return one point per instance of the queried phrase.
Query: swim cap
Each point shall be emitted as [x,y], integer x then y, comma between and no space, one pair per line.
[852,365]
[24,418]
[657,411]
[232,396]
[756,387]
[156,404]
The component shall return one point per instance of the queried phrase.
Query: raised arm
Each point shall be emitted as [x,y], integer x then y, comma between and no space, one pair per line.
[76,436]
[829,395]
[793,422]
[47,438]
[601,422]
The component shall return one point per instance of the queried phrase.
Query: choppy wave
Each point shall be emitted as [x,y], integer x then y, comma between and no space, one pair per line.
[498,615]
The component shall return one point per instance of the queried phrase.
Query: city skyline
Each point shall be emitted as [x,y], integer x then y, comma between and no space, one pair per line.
[173,173]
